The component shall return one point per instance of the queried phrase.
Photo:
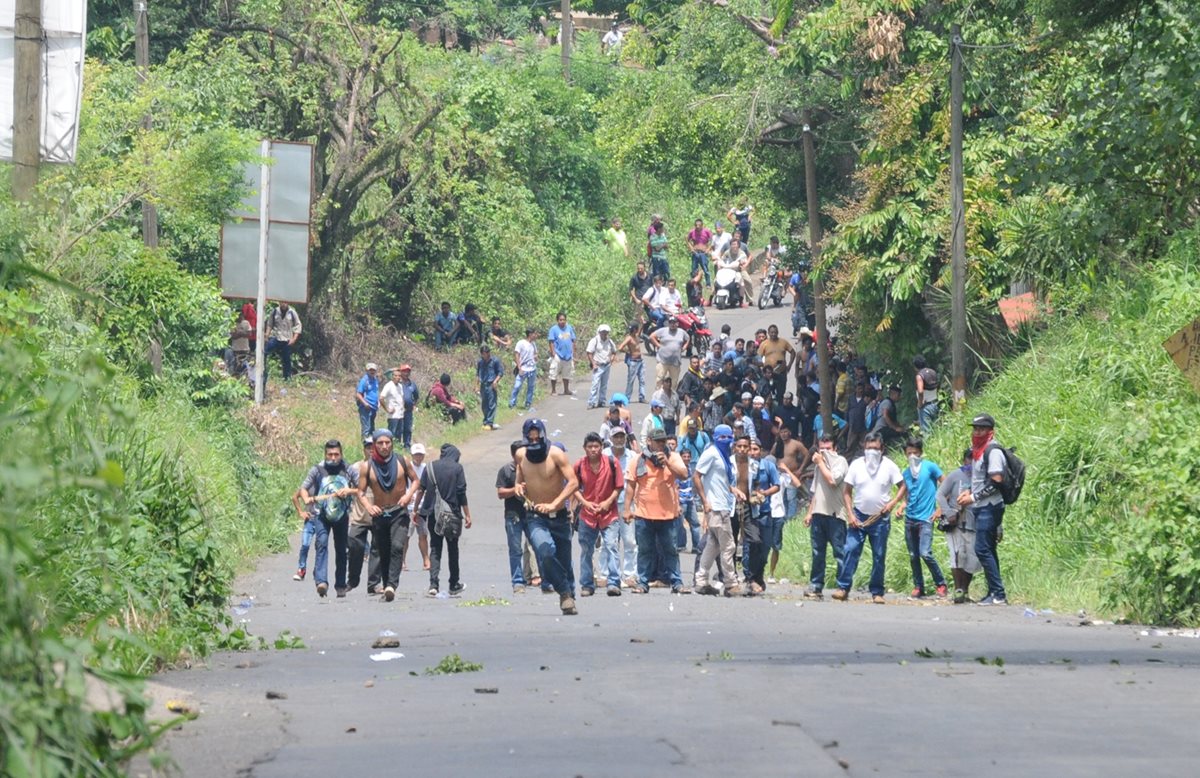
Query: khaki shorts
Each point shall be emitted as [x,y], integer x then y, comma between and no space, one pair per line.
[661,371]
[962,550]
[561,368]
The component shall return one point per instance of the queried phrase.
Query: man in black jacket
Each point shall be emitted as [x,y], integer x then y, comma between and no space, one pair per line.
[446,479]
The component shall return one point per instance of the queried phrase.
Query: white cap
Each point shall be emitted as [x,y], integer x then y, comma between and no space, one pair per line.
[372,366]
[745,395]
[759,401]
[417,448]
[604,328]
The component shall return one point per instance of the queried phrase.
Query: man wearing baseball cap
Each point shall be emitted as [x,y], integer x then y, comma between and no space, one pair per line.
[367,397]
[601,353]
[411,395]
[654,499]
[986,503]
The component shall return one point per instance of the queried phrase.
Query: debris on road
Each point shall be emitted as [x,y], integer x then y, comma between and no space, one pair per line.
[386,643]
[487,690]
[276,695]
[386,656]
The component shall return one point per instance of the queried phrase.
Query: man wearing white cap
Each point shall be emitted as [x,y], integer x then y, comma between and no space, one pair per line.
[367,397]
[601,353]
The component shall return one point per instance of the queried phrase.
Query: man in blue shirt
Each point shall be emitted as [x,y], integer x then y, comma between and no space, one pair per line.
[922,477]
[445,327]
[488,370]
[562,354]
[367,397]
[757,531]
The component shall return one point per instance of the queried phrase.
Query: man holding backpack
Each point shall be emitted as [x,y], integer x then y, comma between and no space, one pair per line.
[326,492]
[987,498]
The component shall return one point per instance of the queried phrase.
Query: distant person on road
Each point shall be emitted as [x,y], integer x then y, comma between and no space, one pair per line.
[525,358]
[446,513]
[546,480]
[601,353]
[741,218]
[921,480]
[653,500]
[488,371]
[927,393]
[669,401]
[393,485]
[959,525]
[639,284]
[670,342]
[713,483]
[826,517]
[698,242]
[418,527]
[600,484]
[627,535]
[361,524]
[635,372]
[562,354]
[612,422]
[867,494]
[719,245]
[285,330]
[366,397]
[776,351]
[411,395]
[391,400]
[324,497]
[515,530]
[986,503]
[758,528]
[791,456]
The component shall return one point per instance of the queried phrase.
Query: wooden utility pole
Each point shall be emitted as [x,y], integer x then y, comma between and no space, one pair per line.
[814,245]
[142,60]
[27,97]
[564,33]
[958,233]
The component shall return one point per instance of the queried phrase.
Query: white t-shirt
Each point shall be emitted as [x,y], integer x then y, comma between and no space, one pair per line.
[601,350]
[872,492]
[670,301]
[391,399]
[526,356]
[654,296]
[715,478]
[720,243]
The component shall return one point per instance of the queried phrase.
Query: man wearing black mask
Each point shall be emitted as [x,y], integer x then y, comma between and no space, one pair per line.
[324,498]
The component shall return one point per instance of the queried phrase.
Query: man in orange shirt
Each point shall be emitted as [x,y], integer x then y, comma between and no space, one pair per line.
[654,493]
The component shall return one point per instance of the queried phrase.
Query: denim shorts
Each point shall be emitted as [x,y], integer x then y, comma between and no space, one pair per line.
[775,536]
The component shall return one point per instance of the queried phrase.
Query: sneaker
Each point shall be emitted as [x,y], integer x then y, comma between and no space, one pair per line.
[916,594]
[992,599]
[389,594]
[959,596]
[706,589]
[878,599]
[567,603]
[813,594]
[432,592]
[519,589]
[322,588]
[457,589]
[941,591]
[614,591]
[586,592]
[840,595]
[341,590]
[299,576]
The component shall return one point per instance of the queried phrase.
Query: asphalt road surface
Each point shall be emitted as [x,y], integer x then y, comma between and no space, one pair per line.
[666,684]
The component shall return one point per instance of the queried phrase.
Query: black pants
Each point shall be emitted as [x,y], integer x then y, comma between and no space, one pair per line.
[389,530]
[435,556]
[358,547]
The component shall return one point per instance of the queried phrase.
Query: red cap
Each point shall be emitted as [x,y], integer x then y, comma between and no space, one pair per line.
[405,367]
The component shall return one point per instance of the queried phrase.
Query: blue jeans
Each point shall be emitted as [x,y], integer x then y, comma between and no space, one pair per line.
[918,536]
[587,549]
[515,528]
[550,537]
[756,534]
[791,500]
[927,415]
[598,395]
[406,427]
[877,534]
[285,356]
[988,519]
[627,556]
[635,372]
[487,400]
[655,539]
[660,267]
[306,537]
[774,539]
[700,260]
[366,419]
[396,427]
[687,523]
[528,380]
[339,530]
[824,530]
[441,339]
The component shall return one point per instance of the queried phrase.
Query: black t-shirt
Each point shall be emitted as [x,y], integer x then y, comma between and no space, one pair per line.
[856,414]
[790,416]
[639,285]
[507,479]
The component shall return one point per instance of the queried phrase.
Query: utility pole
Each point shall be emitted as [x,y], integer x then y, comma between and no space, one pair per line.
[814,245]
[565,32]
[142,60]
[27,97]
[958,232]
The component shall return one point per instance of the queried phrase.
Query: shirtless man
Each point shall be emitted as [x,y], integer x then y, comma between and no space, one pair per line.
[546,480]
[393,484]
[631,347]
[776,351]
[792,456]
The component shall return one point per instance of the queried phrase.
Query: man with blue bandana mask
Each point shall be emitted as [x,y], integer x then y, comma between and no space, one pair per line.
[713,481]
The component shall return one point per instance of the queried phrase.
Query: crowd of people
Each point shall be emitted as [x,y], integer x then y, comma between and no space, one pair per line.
[726,454]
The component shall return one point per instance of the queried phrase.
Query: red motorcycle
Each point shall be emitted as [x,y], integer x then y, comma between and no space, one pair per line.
[695,324]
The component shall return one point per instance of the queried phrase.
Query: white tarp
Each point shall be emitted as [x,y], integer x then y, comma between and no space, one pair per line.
[64,23]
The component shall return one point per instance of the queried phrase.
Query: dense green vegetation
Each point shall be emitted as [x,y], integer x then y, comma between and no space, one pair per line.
[131,488]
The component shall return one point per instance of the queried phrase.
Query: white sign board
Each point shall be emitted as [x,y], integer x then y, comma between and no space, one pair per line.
[288,216]
[64,23]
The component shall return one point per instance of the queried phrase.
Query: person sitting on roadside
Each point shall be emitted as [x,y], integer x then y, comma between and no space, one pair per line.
[449,404]
[445,327]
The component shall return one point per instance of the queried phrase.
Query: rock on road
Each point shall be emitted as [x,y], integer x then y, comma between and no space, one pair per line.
[661,684]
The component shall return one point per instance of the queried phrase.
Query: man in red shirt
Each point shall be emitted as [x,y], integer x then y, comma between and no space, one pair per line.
[600,484]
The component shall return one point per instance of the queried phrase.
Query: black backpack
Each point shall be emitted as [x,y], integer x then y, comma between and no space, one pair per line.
[1013,479]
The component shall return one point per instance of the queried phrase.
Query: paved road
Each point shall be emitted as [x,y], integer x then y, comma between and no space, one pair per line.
[673,685]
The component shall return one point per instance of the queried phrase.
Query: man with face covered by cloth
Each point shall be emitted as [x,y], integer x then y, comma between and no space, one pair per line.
[545,480]
[393,484]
